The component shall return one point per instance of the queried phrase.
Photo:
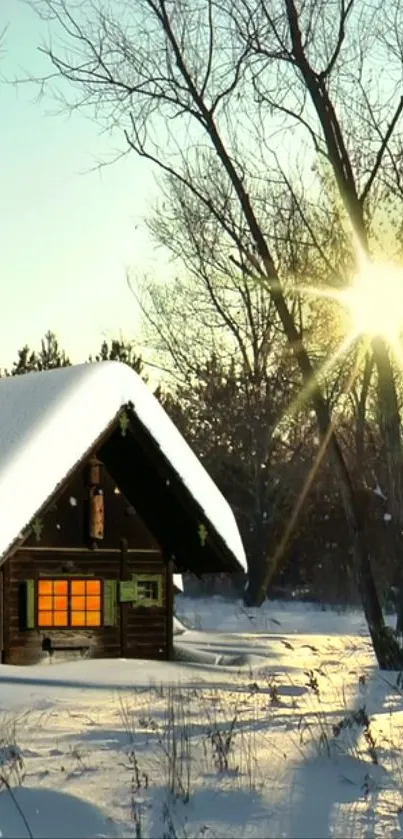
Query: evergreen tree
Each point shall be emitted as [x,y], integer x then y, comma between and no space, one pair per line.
[49,357]
[238,427]
[120,350]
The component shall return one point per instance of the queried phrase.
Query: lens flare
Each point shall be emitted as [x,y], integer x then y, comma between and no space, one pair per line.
[373,308]
[374,301]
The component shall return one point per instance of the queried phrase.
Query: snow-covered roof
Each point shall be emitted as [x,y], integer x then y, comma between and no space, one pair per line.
[178,582]
[50,420]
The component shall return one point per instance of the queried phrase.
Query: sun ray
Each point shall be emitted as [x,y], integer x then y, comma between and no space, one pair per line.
[302,495]
[372,305]
[327,293]
[305,394]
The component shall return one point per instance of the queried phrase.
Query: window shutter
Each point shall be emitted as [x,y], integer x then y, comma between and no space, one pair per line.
[30,604]
[110,599]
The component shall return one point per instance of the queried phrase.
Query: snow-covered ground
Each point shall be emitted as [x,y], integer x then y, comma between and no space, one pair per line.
[272,723]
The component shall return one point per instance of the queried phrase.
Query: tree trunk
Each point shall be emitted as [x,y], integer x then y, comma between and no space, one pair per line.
[391,434]
[256,570]
[362,410]
[386,648]
[251,596]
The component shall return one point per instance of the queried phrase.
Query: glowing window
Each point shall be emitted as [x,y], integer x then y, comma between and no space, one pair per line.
[69,603]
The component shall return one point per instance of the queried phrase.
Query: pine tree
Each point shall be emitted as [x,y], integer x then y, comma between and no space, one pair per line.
[49,357]
[120,350]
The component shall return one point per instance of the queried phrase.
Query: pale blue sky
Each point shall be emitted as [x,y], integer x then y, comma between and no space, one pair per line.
[66,237]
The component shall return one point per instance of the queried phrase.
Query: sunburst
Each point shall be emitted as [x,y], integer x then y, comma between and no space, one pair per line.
[370,306]
[374,301]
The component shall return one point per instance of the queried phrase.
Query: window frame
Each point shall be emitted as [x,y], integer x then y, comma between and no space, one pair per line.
[69,580]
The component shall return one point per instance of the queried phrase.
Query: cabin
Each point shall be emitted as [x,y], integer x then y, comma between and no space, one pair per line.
[103,506]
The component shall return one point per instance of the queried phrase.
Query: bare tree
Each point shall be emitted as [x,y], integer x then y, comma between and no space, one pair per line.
[212,305]
[210,320]
[322,56]
[200,90]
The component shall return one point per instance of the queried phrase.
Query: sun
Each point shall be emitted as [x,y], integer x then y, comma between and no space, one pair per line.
[371,307]
[374,301]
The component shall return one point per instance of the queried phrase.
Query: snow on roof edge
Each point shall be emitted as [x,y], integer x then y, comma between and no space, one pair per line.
[178,582]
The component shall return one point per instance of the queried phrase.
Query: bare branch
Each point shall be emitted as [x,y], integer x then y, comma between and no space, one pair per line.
[344,12]
[381,151]
[210,47]
[337,151]
[313,234]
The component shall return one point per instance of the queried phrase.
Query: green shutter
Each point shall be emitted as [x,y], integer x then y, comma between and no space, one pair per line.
[127,591]
[110,592]
[30,604]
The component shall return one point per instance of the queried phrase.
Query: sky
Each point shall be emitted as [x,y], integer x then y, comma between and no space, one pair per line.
[67,235]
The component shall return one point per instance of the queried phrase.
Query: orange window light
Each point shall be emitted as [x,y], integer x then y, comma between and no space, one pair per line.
[78,618]
[64,603]
[52,603]
[86,603]
[77,586]
[77,604]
